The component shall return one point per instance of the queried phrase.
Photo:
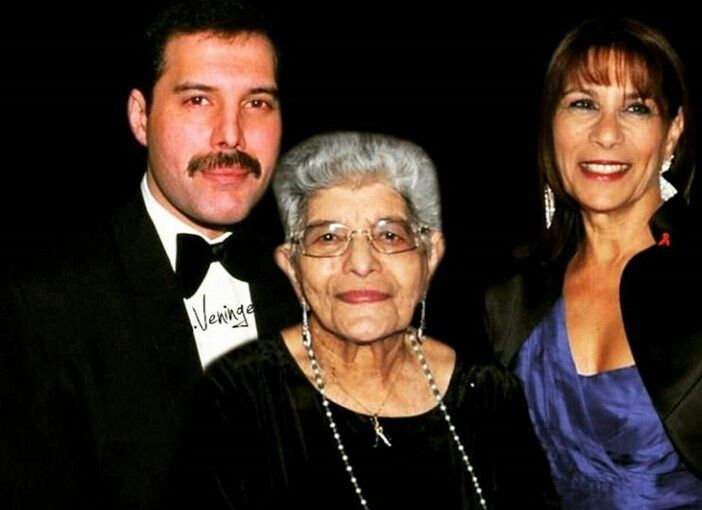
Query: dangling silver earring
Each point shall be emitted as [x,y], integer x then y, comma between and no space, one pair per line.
[549,205]
[422,320]
[306,337]
[668,191]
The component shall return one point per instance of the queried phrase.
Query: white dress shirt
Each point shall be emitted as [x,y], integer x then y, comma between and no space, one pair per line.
[220,311]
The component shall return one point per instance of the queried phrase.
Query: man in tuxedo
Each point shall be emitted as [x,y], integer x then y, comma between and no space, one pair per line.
[105,342]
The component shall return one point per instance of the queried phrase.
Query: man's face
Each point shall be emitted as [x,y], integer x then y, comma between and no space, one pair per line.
[213,129]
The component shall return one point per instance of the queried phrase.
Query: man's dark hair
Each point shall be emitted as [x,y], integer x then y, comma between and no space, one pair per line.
[222,18]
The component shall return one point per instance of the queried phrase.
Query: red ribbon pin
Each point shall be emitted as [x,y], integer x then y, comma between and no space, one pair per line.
[664,240]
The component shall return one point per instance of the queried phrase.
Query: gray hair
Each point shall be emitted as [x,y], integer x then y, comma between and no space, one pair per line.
[332,159]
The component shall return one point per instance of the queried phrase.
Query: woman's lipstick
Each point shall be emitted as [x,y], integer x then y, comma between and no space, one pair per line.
[604,170]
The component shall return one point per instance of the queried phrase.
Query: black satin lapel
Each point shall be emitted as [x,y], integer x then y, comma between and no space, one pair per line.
[514,307]
[661,298]
[159,311]
[684,425]
[274,302]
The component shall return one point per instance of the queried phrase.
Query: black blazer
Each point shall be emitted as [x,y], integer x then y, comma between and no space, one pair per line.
[100,365]
[662,312]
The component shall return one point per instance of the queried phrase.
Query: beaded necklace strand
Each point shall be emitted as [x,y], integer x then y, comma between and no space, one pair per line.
[319,381]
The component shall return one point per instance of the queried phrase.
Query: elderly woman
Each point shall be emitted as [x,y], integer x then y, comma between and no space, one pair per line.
[354,408]
[618,410]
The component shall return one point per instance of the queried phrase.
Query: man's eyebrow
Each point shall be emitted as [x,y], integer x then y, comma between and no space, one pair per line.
[273,91]
[188,85]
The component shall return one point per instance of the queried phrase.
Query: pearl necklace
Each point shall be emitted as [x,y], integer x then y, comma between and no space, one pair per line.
[319,382]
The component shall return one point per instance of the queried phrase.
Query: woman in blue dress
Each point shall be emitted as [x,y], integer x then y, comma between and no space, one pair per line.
[616,401]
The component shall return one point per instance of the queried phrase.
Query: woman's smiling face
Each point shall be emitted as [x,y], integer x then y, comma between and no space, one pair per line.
[610,143]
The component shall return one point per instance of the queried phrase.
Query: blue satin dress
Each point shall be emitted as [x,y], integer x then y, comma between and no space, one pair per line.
[603,438]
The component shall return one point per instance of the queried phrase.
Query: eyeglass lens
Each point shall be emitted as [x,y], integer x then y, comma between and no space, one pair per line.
[333,239]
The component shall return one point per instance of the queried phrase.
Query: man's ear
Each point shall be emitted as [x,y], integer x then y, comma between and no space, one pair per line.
[284,258]
[138,116]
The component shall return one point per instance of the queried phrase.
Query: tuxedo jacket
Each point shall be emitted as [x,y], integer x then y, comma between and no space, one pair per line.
[99,365]
[661,303]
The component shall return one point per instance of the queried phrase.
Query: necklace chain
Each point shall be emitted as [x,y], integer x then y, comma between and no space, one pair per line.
[319,382]
[414,343]
[373,415]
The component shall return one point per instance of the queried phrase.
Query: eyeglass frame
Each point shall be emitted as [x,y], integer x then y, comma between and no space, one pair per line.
[417,231]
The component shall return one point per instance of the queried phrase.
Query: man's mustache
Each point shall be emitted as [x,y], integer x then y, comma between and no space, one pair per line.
[225,160]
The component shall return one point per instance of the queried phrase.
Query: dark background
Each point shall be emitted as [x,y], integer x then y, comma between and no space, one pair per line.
[459,78]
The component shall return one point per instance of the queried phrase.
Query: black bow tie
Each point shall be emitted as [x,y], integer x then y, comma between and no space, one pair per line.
[194,256]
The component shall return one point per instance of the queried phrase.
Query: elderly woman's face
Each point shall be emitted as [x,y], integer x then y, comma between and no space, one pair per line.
[610,144]
[362,295]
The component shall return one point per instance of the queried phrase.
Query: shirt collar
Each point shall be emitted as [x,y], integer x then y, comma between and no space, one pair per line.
[169,226]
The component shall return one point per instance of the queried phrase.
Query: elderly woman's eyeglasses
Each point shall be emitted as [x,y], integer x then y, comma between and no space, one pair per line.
[331,239]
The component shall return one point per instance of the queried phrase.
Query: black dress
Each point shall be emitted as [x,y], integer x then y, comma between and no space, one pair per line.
[261,440]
